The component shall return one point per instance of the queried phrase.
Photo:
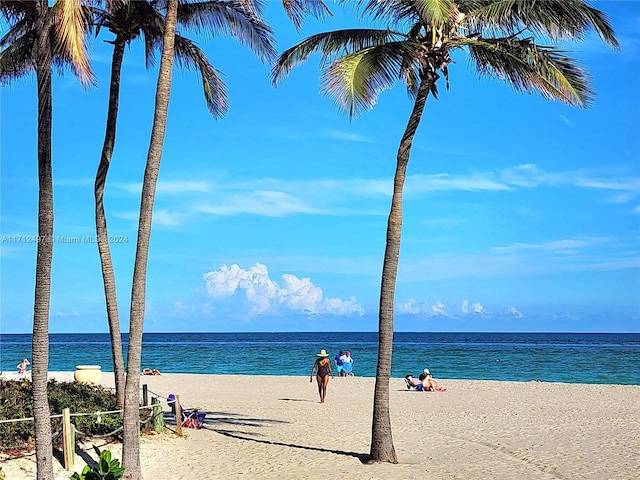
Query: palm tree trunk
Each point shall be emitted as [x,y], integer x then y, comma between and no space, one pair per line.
[382,449]
[40,339]
[131,436]
[102,236]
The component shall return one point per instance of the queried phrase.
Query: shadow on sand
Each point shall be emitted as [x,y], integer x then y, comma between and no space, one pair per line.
[364,458]
[217,421]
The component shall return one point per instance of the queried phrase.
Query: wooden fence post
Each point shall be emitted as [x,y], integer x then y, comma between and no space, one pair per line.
[68,444]
[178,416]
[158,416]
[145,395]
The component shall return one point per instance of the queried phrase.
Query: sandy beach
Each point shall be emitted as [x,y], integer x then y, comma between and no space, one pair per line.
[266,427]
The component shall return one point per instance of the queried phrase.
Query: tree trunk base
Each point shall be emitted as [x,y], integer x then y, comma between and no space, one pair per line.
[373,462]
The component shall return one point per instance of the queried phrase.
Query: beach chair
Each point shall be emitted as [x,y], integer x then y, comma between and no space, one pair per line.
[409,385]
[189,418]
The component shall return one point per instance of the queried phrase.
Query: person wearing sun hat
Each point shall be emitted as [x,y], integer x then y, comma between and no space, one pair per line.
[322,369]
[428,383]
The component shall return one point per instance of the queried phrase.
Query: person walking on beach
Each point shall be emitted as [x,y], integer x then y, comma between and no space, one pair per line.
[322,368]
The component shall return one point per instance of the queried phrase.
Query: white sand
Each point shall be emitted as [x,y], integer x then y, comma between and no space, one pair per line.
[274,427]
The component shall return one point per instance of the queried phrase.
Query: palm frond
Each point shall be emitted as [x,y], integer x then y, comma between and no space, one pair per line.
[255,6]
[436,11]
[17,58]
[73,22]
[329,45]
[188,55]
[151,23]
[15,10]
[230,18]
[399,11]
[21,28]
[354,81]
[152,44]
[557,19]
[297,10]
[532,68]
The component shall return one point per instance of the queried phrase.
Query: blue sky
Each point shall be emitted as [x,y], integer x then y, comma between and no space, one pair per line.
[520,214]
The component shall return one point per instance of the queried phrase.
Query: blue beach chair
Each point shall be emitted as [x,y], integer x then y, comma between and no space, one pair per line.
[189,418]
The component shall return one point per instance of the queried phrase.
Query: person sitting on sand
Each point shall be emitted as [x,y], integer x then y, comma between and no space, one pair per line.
[323,367]
[428,383]
[22,366]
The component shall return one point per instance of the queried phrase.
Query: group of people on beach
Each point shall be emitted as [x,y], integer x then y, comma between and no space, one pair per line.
[322,370]
[344,364]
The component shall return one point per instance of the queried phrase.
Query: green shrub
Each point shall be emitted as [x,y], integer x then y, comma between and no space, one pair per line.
[107,469]
[16,401]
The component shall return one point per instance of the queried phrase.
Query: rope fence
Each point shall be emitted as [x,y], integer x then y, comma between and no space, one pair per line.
[69,431]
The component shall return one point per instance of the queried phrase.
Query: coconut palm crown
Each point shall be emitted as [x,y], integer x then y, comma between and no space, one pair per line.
[500,37]
[67,23]
[208,19]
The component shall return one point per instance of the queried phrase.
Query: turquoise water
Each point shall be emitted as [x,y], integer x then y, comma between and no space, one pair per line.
[572,358]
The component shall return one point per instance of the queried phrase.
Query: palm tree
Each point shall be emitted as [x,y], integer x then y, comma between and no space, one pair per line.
[40,36]
[129,21]
[222,17]
[500,39]
[131,441]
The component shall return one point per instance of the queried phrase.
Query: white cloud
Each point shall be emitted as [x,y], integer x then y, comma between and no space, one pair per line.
[409,306]
[351,137]
[557,246]
[264,295]
[160,217]
[566,120]
[629,184]
[260,202]
[468,308]
[514,312]
[164,217]
[439,308]
[169,187]
[273,197]
[445,182]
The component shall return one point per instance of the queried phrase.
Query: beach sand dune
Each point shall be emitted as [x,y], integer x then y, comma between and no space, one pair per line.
[266,427]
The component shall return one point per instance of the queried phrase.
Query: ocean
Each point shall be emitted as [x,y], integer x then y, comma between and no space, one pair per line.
[551,357]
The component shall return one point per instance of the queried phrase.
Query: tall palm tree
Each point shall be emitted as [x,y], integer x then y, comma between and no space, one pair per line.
[38,37]
[144,19]
[500,39]
[221,17]
[131,441]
